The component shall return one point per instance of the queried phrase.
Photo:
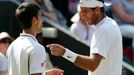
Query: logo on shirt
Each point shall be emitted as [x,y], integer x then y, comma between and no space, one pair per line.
[43,64]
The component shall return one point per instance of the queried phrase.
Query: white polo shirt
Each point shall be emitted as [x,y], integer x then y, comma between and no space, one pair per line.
[107,42]
[26,56]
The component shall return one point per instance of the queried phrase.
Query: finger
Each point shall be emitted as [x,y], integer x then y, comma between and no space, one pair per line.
[50,45]
[61,71]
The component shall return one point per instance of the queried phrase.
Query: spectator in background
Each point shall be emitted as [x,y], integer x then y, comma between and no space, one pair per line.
[20,1]
[107,0]
[50,12]
[123,13]
[5,40]
[79,28]
[73,6]
[62,6]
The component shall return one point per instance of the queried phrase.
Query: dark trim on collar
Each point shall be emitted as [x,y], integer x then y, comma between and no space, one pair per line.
[23,34]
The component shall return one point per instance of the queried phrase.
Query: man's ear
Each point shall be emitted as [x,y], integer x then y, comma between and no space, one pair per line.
[97,10]
[34,20]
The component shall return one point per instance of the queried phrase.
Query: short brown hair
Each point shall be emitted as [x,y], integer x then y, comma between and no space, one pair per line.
[25,12]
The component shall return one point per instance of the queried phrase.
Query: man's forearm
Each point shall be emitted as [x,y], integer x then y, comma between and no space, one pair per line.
[88,62]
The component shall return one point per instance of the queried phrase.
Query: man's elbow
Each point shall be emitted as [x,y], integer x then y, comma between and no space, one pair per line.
[92,69]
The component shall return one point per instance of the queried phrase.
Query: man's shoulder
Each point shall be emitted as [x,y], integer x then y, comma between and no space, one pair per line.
[110,21]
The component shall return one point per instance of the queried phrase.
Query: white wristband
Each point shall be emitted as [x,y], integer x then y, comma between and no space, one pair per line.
[69,55]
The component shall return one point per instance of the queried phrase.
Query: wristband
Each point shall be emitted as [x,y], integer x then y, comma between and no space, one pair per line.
[69,55]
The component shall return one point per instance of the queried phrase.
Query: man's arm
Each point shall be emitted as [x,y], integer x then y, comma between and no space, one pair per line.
[85,62]
[88,62]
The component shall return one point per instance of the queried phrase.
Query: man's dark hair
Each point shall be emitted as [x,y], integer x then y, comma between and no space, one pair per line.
[25,12]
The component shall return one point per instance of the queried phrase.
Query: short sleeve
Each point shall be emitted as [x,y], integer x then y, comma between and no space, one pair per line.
[100,43]
[37,60]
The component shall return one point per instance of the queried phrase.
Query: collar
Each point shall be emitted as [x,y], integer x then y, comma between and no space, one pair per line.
[29,35]
[101,22]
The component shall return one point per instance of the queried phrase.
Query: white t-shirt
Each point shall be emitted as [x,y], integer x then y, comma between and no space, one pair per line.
[107,42]
[26,56]
[3,64]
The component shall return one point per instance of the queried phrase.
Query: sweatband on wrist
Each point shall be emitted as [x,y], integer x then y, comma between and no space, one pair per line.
[69,55]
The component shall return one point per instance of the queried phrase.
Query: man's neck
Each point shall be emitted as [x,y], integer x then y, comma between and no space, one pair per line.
[28,31]
[101,17]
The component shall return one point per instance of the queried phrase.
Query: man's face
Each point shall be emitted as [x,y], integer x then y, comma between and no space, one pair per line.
[87,16]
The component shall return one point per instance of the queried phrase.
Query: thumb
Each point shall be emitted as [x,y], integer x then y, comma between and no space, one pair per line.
[48,46]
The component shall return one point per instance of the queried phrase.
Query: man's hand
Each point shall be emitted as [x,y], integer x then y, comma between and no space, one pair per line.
[55,72]
[56,49]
